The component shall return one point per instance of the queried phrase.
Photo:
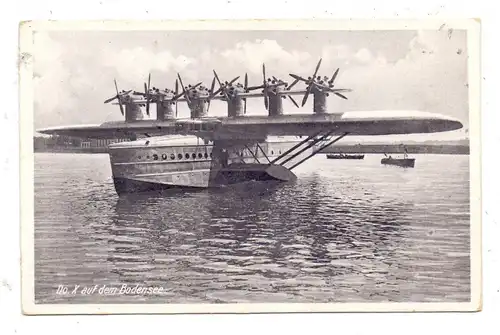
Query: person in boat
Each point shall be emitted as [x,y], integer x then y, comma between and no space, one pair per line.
[389,157]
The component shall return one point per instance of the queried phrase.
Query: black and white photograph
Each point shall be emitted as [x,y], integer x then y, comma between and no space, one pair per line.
[267,166]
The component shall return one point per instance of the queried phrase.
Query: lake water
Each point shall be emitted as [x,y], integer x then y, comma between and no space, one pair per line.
[345,231]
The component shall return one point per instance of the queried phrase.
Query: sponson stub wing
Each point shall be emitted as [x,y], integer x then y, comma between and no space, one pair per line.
[362,123]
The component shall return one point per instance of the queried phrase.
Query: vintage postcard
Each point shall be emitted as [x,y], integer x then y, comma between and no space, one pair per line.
[250,166]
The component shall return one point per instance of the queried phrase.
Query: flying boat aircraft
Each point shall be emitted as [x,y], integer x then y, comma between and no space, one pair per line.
[204,152]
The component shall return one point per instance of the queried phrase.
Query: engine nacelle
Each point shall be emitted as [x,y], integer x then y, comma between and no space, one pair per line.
[275,100]
[319,101]
[235,104]
[165,111]
[198,101]
[198,108]
[133,112]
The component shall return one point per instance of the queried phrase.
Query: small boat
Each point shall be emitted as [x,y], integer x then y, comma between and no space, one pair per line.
[402,162]
[344,156]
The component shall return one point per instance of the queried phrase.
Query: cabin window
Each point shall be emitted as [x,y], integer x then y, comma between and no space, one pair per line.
[147,157]
[280,152]
[187,156]
[200,155]
[139,157]
[155,157]
[272,152]
[172,156]
[164,156]
[206,155]
[179,156]
[193,155]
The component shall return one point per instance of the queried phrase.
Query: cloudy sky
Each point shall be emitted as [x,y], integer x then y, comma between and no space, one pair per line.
[415,70]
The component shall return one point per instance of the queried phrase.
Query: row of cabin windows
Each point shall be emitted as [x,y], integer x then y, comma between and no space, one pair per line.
[180,156]
[188,156]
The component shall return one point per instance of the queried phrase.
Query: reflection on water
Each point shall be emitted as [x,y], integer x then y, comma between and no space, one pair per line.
[343,232]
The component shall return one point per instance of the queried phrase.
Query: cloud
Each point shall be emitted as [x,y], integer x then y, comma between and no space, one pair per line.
[49,75]
[137,62]
[431,77]
[339,53]
[251,56]
[71,82]
[364,56]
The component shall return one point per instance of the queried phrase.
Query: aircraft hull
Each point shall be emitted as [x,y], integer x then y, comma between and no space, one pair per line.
[155,167]
[130,186]
[225,177]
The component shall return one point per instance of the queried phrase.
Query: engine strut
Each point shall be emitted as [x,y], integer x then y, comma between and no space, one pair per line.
[319,150]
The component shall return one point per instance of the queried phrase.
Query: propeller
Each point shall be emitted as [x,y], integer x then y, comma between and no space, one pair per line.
[340,95]
[118,96]
[211,94]
[331,85]
[325,84]
[293,100]
[153,94]
[246,88]
[293,84]
[183,90]
[309,87]
[331,81]
[288,88]
[319,82]
[278,82]
[223,87]
[176,94]
[147,93]
[266,84]
[266,97]
[227,88]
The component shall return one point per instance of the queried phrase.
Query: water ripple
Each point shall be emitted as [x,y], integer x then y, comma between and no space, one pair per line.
[343,232]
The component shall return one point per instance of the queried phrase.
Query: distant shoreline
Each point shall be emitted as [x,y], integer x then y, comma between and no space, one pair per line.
[361,149]
[71,150]
[443,149]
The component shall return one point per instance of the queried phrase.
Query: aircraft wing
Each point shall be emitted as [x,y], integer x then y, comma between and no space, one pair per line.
[112,130]
[369,123]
